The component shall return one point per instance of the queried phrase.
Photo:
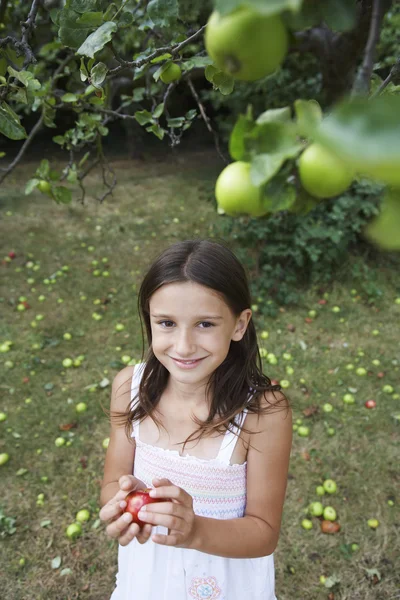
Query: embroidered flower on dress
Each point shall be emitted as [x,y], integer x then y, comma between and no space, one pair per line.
[204,588]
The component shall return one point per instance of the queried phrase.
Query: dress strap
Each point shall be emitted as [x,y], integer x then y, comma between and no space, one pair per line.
[230,439]
[136,377]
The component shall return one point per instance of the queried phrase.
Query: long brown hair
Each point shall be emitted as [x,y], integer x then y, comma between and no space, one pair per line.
[238,382]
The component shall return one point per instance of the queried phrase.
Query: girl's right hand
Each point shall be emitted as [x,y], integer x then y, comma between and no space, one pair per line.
[120,524]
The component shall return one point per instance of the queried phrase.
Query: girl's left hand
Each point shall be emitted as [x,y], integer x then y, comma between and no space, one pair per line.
[176,513]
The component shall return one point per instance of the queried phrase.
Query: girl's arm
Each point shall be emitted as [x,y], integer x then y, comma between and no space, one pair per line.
[120,452]
[257,533]
[118,480]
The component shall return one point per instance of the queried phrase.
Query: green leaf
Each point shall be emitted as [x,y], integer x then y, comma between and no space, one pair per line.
[91,19]
[274,114]
[68,97]
[176,122]
[98,74]
[43,169]
[384,230]
[161,58]
[10,125]
[143,117]
[98,39]
[71,33]
[265,7]
[237,149]
[158,111]
[196,62]
[31,185]
[56,562]
[264,167]
[209,72]
[366,134]
[309,115]
[84,6]
[278,194]
[162,12]
[157,130]
[62,194]
[224,83]
[83,70]
[125,20]
[26,78]
[304,203]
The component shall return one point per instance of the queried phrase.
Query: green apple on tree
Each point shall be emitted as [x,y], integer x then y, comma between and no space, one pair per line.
[322,173]
[171,72]
[245,43]
[44,187]
[235,192]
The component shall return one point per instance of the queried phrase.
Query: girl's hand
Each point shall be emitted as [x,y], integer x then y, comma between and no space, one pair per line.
[176,514]
[120,525]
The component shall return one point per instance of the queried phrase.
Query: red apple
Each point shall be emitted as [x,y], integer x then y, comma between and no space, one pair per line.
[135,500]
[330,526]
[12,254]
[370,404]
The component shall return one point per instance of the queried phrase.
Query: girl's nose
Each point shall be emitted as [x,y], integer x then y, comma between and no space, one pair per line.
[184,344]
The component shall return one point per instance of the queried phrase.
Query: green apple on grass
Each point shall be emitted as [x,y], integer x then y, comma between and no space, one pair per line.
[329,513]
[330,486]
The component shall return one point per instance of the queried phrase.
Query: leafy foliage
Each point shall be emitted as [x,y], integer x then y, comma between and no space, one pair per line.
[286,252]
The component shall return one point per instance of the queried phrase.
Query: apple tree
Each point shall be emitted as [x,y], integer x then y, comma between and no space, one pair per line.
[63,59]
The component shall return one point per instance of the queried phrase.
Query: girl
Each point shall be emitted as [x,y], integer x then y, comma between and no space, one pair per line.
[205,429]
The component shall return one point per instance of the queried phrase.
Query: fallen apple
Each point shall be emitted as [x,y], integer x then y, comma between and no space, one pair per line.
[303,430]
[330,526]
[82,515]
[135,500]
[330,486]
[73,531]
[316,509]
[306,524]
[4,457]
[370,404]
[373,523]
[329,513]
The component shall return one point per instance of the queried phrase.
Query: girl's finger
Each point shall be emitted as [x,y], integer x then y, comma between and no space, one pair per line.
[129,534]
[117,527]
[166,520]
[144,534]
[110,511]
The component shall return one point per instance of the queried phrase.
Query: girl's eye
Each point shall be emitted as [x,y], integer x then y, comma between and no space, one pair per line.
[163,323]
[166,324]
[207,323]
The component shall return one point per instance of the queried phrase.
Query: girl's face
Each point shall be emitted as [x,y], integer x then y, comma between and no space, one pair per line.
[192,329]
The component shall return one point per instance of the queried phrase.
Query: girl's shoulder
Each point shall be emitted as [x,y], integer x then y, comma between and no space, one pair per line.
[121,387]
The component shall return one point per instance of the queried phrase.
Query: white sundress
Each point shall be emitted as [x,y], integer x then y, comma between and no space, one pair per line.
[151,571]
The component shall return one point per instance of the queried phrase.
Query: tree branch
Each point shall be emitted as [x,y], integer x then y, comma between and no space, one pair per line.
[13,164]
[174,49]
[394,75]
[38,125]
[27,27]
[363,79]
[206,119]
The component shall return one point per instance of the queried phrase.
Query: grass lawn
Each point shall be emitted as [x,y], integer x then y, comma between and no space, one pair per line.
[79,268]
